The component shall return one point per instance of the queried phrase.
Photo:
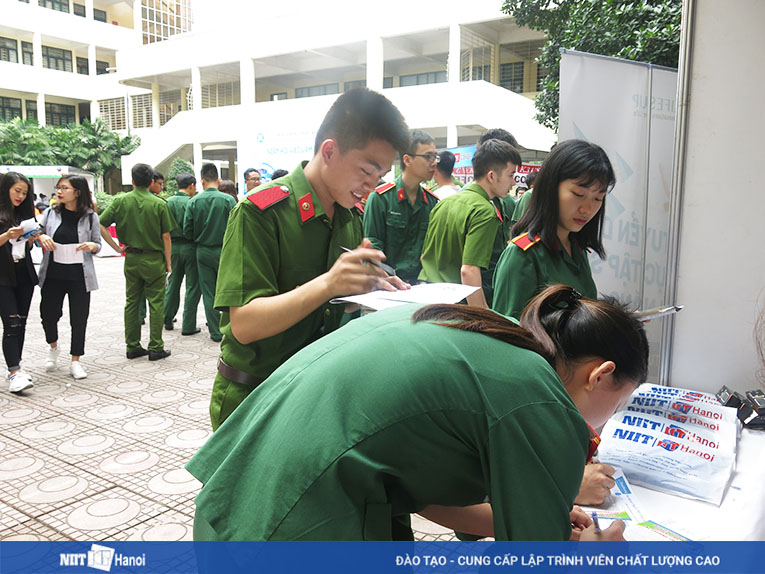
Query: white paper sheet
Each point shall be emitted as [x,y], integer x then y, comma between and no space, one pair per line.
[28,225]
[67,254]
[425,293]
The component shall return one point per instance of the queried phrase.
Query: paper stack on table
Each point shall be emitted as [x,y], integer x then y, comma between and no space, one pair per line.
[423,294]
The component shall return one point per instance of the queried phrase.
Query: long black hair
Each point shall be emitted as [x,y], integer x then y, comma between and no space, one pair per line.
[84,201]
[11,215]
[585,162]
[563,327]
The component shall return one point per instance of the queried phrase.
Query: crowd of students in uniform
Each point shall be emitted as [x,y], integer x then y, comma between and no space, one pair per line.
[324,432]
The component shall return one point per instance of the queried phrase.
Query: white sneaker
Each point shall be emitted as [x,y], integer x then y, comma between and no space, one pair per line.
[76,370]
[50,362]
[19,381]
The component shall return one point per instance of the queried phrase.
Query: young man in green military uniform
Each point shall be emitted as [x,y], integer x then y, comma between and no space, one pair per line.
[205,225]
[184,261]
[156,186]
[283,259]
[396,216]
[143,224]
[466,236]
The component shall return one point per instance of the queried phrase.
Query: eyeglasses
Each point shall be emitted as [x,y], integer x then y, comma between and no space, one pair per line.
[63,188]
[429,157]
[257,178]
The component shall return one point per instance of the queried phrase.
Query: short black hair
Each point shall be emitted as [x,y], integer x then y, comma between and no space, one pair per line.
[416,138]
[531,178]
[209,172]
[185,179]
[248,171]
[585,162]
[499,134]
[493,155]
[445,163]
[360,115]
[157,175]
[142,174]
[279,173]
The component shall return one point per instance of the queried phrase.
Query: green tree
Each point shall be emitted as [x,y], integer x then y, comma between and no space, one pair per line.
[645,31]
[23,143]
[177,166]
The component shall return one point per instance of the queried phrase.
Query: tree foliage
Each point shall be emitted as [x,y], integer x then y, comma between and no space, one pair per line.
[645,31]
[177,167]
[89,145]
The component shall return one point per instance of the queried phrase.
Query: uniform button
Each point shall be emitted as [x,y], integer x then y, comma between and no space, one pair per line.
[327,312]
[305,206]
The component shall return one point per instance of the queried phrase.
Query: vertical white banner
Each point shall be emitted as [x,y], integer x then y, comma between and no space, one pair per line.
[607,101]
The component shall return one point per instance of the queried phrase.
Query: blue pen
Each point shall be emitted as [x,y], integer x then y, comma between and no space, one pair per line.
[595,521]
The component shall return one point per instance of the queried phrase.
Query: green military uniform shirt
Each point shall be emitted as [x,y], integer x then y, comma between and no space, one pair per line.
[141,219]
[177,205]
[272,250]
[526,267]
[520,206]
[465,229]
[207,216]
[397,227]
[332,447]
[506,206]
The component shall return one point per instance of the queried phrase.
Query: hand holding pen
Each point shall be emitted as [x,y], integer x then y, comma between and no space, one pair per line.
[358,271]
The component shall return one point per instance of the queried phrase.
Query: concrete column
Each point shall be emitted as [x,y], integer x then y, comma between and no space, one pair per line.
[247,80]
[232,171]
[196,88]
[91,59]
[71,7]
[197,151]
[41,121]
[89,9]
[455,47]
[375,63]
[95,110]
[154,105]
[451,136]
[37,50]
[137,21]
[184,99]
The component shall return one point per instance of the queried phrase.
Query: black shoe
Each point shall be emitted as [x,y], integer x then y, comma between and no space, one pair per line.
[218,339]
[168,326]
[175,320]
[143,321]
[194,332]
[157,355]
[141,352]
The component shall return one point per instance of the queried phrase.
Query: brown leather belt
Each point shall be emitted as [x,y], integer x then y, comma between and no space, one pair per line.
[238,376]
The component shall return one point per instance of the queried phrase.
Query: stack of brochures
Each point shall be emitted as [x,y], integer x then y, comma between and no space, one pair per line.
[674,440]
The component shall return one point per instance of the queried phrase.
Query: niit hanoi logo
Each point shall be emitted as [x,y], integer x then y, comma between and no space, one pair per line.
[100,558]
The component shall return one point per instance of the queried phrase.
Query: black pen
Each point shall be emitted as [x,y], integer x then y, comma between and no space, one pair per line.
[387,268]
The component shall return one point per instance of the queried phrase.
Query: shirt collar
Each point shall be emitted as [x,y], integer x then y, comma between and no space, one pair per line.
[401,192]
[477,189]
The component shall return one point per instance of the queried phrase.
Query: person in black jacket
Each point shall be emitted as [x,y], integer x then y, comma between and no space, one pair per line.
[17,274]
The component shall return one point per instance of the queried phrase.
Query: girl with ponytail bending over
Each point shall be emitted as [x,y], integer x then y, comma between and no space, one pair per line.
[334,445]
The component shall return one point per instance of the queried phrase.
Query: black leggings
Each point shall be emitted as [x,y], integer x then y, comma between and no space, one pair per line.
[52,305]
[14,308]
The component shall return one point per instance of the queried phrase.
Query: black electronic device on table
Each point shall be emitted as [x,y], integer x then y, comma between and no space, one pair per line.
[750,408]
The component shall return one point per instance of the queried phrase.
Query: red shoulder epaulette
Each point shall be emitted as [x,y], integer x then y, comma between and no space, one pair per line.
[359,208]
[384,187]
[524,241]
[427,189]
[267,197]
[594,443]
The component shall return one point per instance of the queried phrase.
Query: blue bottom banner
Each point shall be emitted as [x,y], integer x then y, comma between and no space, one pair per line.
[381,557]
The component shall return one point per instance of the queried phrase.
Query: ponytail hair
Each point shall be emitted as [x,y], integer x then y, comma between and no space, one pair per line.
[561,326]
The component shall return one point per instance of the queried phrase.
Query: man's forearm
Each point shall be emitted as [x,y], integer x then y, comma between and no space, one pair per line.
[109,239]
[168,249]
[471,275]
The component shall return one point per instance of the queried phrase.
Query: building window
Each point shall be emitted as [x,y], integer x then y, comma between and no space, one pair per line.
[58,5]
[511,76]
[59,115]
[354,84]
[424,78]
[57,59]
[169,105]
[10,108]
[482,73]
[541,75]
[387,82]
[101,67]
[322,90]
[217,95]
[161,19]
[9,50]
[24,1]
[31,109]
[99,15]
[278,96]
[27,53]
[82,66]
[141,111]
[112,112]
[79,10]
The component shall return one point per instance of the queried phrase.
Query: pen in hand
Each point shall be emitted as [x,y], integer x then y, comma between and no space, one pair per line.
[595,522]
[387,268]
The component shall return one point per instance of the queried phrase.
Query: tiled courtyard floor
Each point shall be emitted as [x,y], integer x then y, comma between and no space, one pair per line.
[102,458]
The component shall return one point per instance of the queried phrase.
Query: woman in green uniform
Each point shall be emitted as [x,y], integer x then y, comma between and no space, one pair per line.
[564,221]
[326,450]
